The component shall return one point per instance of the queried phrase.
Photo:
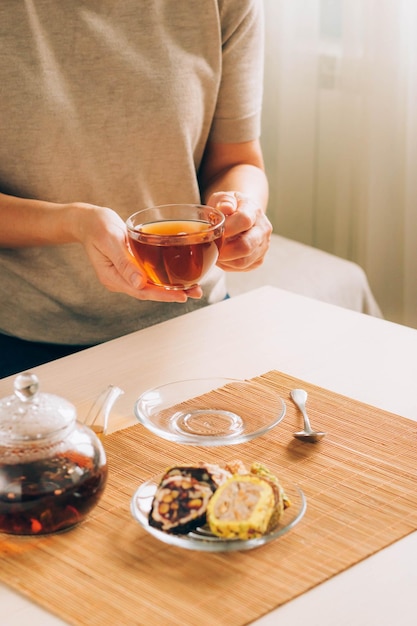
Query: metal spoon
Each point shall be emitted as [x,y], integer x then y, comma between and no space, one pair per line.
[299,397]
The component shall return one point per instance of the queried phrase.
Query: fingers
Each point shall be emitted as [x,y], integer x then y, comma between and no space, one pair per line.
[125,277]
[161,294]
[247,236]
[245,252]
[143,290]
[114,282]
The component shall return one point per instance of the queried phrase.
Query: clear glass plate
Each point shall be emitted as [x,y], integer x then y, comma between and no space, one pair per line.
[210,411]
[202,539]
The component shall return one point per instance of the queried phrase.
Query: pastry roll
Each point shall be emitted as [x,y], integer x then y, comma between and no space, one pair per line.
[179,504]
[281,499]
[241,508]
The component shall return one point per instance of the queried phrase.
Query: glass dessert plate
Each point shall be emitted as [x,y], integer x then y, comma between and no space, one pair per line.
[201,538]
[210,411]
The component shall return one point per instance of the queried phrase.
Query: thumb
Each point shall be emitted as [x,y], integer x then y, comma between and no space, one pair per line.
[131,271]
[137,280]
[225,201]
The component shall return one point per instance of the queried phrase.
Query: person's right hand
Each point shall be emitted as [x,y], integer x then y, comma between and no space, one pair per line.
[104,236]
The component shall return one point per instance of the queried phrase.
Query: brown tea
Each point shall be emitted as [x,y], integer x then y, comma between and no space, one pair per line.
[48,495]
[176,253]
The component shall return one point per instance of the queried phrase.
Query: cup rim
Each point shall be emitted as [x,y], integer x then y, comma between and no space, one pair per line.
[220,224]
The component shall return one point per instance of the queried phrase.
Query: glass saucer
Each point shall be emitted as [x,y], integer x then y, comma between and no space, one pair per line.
[202,539]
[210,411]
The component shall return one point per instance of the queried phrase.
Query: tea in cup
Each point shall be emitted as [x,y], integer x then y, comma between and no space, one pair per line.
[176,244]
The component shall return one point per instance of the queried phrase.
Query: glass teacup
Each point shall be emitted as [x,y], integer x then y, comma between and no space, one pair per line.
[176,244]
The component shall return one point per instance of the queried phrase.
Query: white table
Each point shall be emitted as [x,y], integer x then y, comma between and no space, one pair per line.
[366,358]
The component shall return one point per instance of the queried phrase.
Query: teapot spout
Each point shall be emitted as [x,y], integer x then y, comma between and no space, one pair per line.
[97,417]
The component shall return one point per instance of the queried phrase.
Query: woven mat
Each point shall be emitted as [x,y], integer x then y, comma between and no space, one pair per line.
[360,483]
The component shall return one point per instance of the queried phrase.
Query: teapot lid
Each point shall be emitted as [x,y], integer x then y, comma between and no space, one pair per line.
[29,416]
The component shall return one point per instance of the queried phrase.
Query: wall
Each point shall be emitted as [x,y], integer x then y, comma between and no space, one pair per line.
[340,136]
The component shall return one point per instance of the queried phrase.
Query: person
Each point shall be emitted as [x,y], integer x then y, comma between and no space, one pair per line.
[107,108]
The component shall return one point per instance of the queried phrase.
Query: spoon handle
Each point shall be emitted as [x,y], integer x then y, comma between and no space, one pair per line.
[307,425]
[300,402]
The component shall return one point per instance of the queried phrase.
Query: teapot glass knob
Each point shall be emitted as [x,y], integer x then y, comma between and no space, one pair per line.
[26,386]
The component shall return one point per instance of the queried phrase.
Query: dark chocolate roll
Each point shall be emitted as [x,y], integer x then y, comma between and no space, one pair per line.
[180,503]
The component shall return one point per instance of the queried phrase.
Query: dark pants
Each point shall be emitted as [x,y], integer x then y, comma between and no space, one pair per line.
[17,355]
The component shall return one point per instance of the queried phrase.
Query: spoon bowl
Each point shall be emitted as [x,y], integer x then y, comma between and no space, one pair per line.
[299,397]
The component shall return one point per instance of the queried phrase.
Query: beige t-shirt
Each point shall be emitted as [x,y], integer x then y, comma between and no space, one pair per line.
[112,103]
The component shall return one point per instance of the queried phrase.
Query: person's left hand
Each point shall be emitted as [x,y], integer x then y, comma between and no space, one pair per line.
[247,231]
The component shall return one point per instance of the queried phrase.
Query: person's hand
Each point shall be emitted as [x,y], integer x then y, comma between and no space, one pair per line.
[247,231]
[104,236]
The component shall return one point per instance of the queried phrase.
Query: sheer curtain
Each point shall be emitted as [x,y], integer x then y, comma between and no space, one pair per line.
[340,136]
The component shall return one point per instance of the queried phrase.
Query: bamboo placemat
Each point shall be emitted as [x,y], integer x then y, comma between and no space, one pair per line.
[360,483]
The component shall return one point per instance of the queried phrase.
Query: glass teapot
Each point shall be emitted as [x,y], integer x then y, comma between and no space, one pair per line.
[53,469]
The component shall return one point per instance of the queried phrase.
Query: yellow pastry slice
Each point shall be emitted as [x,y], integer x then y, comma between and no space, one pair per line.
[282,501]
[241,508]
